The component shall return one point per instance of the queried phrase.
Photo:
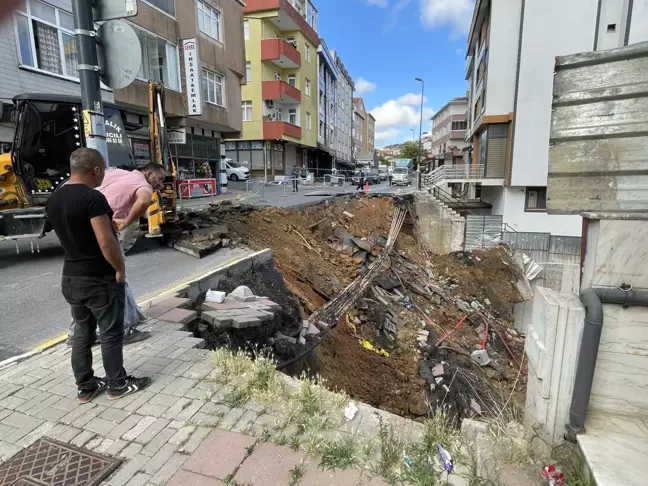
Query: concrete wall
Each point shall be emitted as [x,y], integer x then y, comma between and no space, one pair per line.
[551,28]
[616,253]
[639,26]
[552,344]
[441,229]
[502,57]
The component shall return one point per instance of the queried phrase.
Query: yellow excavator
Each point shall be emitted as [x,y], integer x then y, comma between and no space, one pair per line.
[48,129]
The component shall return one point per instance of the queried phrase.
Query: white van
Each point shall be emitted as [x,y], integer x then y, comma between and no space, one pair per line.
[235,171]
[401,176]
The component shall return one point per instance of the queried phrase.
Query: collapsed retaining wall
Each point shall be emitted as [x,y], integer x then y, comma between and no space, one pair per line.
[441,229]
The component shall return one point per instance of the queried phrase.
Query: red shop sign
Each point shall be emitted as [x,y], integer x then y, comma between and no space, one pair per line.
[196,188]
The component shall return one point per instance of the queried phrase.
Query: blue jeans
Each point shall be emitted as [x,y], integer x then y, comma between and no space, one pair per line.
[96,302]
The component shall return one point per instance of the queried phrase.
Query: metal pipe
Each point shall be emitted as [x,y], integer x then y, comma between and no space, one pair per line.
[593,300]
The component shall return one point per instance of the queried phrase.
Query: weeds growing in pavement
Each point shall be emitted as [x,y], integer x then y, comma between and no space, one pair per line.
[341,453]
[571,462]
[391,451]
[296,474]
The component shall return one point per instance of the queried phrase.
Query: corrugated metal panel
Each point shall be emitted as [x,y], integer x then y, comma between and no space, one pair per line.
[543,247]
[496,158]
[598,156]
[483,231]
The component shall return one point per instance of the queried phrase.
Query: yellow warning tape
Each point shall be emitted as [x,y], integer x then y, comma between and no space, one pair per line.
[367,345]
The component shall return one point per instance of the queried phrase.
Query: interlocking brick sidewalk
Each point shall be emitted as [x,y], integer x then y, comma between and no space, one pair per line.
[178,431]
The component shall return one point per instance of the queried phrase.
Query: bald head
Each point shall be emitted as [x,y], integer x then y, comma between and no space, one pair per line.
[88,166]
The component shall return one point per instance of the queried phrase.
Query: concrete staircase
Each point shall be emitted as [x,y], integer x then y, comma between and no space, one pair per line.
[441,228]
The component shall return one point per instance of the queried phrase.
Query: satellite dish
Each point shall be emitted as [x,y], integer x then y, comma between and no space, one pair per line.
[120,54]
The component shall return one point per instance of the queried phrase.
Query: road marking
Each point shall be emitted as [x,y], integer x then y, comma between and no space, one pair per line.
[175,286]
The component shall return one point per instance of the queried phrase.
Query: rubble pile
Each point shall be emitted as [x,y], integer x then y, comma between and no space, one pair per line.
[429,331]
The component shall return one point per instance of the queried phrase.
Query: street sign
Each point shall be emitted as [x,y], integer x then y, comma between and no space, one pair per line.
[114,9]
[177,135]
[120,54]
[192,76]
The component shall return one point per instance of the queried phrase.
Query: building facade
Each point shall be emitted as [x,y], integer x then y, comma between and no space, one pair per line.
[447,140]
[280,98]
[359,128]
[40,52]
[344,115]
[327,123]
[370,134]
[509,70]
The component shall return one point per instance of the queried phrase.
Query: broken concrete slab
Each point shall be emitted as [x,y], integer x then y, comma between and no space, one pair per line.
[438,370]
[242,294]
[217,320]
[224,306]
[245,321]
[362,244]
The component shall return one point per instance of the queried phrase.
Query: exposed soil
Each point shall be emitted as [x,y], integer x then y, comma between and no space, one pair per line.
[322,249]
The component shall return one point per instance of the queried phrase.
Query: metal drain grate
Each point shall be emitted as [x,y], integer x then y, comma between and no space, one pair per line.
[52,463]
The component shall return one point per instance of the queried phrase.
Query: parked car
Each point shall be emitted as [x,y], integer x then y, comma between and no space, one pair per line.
[368,176]
[383,174]
[235,171]
[374,177]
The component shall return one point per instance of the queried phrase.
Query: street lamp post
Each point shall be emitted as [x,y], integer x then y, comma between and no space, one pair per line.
[418,165]
[413,134]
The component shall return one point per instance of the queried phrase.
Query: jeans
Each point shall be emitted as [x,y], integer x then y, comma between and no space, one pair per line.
[96,302]
[295,185]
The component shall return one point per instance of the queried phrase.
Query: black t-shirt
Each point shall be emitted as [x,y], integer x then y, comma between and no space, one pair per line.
[70,210]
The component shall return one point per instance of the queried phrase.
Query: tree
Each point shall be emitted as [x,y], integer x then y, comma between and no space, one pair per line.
[382,160]
[409,150]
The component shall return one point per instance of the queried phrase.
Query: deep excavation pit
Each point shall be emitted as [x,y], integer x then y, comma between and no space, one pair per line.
[383,350]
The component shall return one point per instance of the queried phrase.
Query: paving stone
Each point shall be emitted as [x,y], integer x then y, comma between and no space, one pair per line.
[169,469]
[314,476]
[77,412]
[159,459]
[185,478]
[141,398]
[231,418]
[244,423]
[94,443]
[88,416]
[100,426]
[191,342]
[173,365]
[206,419]
[117,446]
[127,425]
[35,434]
[220,454]
[104,445]
[148,368]
[26,393]
[160,382]
[269,464]
[195,440]
[115,415]
[140,479]
[182,435]
[131,450]
[8,450]
[51,414]
[176,384]
[126,473]
[122,403]
[245,321]
[46,403]
[83,438]
[155,311]
[155,444]
[181,316]
[4,413]
[146,436]
[13,402]
[152,409]
[65,404]
[135,432]
[172,302]
[64,433]
[39,372]
[8,389]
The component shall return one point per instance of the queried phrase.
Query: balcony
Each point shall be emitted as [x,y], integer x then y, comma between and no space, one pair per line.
[287,18]
[275,130]
[280,91]
[281,53]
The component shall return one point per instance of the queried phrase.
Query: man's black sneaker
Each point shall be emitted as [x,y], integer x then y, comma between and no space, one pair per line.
[131,386]
[136,336]
[85,396]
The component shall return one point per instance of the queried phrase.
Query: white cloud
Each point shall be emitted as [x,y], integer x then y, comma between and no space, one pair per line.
[395,113]
[455,13]
[395,15]
[378,3]
[412,99]
[362,86]
[387,134]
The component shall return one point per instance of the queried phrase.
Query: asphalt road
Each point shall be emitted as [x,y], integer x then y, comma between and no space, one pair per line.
[32,309]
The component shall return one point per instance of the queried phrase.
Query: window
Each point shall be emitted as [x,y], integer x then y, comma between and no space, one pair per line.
[308,121]
[292,80]
[209,21]
[460,125]
[159,59]
[167,6]
[46,38]
[291,41]
[536,199]
[248,71]
[247,110]
[292,116]
[213,87]
[277,76]
[246,29]
[307,53]
[307,87]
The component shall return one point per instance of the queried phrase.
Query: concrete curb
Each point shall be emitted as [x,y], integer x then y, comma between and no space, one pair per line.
[194,286]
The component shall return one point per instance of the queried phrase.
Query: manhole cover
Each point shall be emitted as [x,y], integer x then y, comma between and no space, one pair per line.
[49,462]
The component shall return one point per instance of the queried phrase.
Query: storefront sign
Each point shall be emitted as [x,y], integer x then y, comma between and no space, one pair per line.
[192,76]
[119,150]
[141,149]
[177,135]
[230,145]
[257,145]
[196,188]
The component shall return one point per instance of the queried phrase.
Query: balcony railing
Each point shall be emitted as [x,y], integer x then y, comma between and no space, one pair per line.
[281,53]
[280,90]
[454,173]
[276,129]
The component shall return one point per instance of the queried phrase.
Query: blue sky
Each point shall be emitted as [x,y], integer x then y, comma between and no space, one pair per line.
[385,44]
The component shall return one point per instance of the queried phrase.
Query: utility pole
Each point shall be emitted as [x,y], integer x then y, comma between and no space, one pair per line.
[86,44]
[418,165]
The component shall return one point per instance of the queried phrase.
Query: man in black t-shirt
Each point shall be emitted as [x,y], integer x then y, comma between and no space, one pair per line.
[94,277]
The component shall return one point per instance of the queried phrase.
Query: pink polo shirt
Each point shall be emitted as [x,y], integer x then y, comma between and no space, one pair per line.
[120,188]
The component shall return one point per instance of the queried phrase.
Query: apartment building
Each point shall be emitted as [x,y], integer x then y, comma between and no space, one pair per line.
[280,97]
[370,142]
[447,140]
[327,123]
[39,54]
[344,113]
[359,128]
[509,70]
